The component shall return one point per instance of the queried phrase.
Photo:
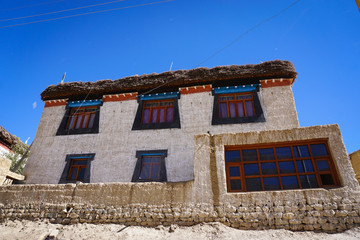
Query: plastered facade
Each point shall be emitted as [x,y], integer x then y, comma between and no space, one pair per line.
[355,161]
[116,144]
[203,199]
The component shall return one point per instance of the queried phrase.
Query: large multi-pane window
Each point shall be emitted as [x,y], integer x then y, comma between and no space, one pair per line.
[279,167]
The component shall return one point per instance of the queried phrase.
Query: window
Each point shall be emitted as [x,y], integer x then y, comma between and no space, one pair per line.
[81,117]
[279,167]
[150,166]
[157,111]
[237,105]
[77,168]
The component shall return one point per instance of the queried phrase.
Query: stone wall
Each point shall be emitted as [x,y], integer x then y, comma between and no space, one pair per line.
[204,199]
[355,161]
[116,144]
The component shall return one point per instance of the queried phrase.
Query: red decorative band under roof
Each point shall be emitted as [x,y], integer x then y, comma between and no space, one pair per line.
[276,82]
[55,103]
[196,89]
[120,97]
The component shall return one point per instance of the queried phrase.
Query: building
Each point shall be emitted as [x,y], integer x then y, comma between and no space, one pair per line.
[355,161]
[188,146]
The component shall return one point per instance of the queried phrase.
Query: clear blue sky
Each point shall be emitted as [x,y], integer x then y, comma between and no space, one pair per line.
[321,38]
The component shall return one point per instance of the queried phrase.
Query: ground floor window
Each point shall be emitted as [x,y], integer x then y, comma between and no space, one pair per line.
[150,166]
[77,168]
[297,165]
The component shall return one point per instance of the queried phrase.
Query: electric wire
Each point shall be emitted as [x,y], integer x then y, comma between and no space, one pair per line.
[27,6]
[65,10]
[87,13]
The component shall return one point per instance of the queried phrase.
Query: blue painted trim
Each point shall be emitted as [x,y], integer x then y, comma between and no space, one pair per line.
[236,89]
[84,103]
[152,154]
[75,157]
[159,96]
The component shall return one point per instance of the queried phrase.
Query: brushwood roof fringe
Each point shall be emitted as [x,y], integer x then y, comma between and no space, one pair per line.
[178,78]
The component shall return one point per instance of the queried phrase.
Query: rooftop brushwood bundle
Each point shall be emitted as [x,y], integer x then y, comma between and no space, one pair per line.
[179,78]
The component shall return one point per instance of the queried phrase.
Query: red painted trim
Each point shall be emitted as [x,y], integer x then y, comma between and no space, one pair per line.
[55,103]
[5,147]
[120,97]
[195,89]
[276,82]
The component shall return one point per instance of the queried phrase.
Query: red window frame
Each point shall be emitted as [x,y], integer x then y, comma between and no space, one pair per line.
[156,107]
[318,175]
[76,165]
[236,103]
[81,117]
[150,167]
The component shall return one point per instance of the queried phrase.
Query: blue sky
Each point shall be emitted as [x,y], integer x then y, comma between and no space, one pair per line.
[321,38]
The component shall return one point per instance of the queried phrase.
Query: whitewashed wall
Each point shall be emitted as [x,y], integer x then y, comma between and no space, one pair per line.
[116,144]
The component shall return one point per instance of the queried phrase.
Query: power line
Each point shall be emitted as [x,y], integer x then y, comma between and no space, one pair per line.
[27,6]
[65,10]
[81,14]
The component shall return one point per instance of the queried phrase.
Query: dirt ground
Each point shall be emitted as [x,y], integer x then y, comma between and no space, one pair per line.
[43,230]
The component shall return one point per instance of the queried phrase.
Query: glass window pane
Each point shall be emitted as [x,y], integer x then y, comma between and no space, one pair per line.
[253,184]
[286,167]
[301,151]
[232,156]
[235,184]
[304,166]
[223,110]
[308,181]
[234,171]
[249,108]
[73,173]
[78,121]
[232,110]
[240,97]
[86,117]
[154,115]
[79,162]
[162,115]
[146,116]
[249,155]
[170,114]
[266,154]
[145,171]
[71,124]
[271,183]
[323,166]
[82,174]
[155,172]
[251,169]
[240,108]
[151,159]
[290,182]
[268,168]
[318,150]
[326,179]
[283,152]
[91,121]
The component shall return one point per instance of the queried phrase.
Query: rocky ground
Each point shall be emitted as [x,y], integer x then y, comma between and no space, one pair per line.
[44,230]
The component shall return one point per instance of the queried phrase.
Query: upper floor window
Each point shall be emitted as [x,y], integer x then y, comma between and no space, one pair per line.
[81,117]
[239,104]
[157,111]
[297,165]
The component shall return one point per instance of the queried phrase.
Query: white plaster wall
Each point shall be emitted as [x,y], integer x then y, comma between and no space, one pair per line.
[116,144]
